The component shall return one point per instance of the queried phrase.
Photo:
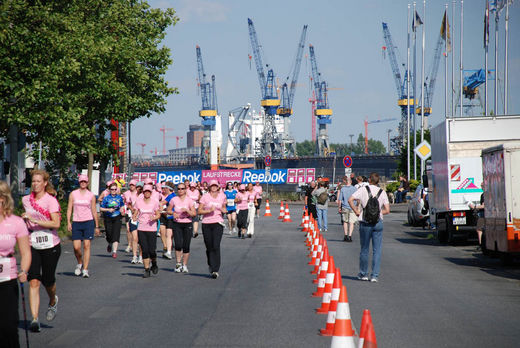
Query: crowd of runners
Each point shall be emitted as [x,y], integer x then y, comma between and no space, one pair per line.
[146,210]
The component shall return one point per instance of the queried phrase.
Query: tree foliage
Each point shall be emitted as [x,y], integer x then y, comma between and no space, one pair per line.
[308,147]
[402,166]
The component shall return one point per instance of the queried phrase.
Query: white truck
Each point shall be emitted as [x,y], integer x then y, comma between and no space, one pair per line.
[455,174]
[501,171]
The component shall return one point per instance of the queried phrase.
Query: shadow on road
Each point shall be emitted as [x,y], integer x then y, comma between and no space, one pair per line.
[140,275]
[202,275]
[68,274]
[21,325]
[349,277]
[489,265]
[104,255]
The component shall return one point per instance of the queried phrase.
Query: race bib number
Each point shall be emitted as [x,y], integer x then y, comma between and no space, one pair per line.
[251,205]
[5,269]
[41,240]
[230,202]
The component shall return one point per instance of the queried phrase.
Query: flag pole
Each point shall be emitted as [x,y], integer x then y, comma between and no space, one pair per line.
[453,59]
[496,60]
[506,91]
[422,79]
[446,61]
[408,92]
[461,45]
[414,91]
[486,33]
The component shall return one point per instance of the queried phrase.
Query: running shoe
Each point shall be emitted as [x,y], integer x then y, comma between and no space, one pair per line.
[114,255]
[184,269]
[196,234]
[345,239]
[178,268]
[85,273]
[146,273]
[362,277]
[154,268]
[77,271]
[140,260]
[134,260]
[249,235]
[349,239]
[214,275]
[109,248]
[373,280]
[128,249]
[51,310]
[168,255]
[35,326]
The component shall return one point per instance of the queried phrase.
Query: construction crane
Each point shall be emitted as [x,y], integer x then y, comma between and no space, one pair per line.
[323,112]
[235,151]
[473,78]
[270,142]
[209,110]
[367,122]
[401,85]
[163,129]
[142,147]
[177,138]
[313,116]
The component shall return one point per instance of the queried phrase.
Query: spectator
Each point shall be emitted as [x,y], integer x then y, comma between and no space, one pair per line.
[322,205]
[353,179]
[404,187]
[348,218]
[310,200]
[481,221]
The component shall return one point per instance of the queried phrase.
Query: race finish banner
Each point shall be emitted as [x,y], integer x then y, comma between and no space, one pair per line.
[275,176]
[222,176]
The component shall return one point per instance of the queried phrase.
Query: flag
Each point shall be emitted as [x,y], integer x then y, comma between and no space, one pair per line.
[445,27]
[486,25]
[498,5]
[416,21]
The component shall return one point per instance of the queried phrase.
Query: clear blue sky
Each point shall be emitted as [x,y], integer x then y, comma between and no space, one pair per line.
[348,40]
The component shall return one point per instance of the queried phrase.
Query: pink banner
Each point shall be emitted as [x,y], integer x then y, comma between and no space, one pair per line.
[311,174]
[291,176]
[222,176]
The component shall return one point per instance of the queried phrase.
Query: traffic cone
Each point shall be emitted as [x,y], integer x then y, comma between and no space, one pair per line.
[282,211]
[287,216]
[314,243]
[327,291]
[316,248]
[306,221]
[331,317]
[367,320]
[322,256]
[323,277]
[267,208]
[370,336]
[343,335]
[303,217]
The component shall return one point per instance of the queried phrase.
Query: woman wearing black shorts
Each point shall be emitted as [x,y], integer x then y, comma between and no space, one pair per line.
[113,207]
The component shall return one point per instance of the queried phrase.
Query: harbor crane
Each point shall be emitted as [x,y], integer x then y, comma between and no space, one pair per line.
[401,85]
[323,112]
[236,148]
[367,122]
[209,110]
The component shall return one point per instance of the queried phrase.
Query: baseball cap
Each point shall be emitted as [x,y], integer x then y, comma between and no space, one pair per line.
[148,181]
[214,182]
[148,188]
[132,182]
[83,177]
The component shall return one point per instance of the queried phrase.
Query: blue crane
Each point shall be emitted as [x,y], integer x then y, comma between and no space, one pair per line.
[208,94]
[287,95]
[367,122]
[429,84]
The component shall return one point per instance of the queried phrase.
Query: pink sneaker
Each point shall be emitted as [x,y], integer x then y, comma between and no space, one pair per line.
[114,255]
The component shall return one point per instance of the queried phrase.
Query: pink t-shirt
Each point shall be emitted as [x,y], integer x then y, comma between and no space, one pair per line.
[11,228]
[243,199]
[156,196]
[82,204]
[178,204]
[47,203]
[194,195]
[258,190]
[130,197]
[146,213]
[207,201]
[252,196]
[362,195]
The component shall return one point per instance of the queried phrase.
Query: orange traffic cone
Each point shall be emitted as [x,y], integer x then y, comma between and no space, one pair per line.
[365,322]
[314,243]
[287,216]
[331,317]
[327,291]
[370,336]
[316,248]
[282,211]
[322,256]
[343,335]
[267,208]
[303,217]
[305,221]
[323,277]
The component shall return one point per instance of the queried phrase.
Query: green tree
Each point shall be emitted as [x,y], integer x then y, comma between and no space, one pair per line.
[306,148]
[403,159]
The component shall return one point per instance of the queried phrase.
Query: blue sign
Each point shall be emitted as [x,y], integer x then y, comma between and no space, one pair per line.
[267,161]
[179,176]
[277,176]
[347,161]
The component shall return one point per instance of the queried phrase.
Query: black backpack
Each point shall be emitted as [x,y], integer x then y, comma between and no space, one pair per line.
[371,211]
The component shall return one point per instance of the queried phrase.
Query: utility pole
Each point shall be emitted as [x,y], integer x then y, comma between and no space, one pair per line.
[388,131]
[351,144]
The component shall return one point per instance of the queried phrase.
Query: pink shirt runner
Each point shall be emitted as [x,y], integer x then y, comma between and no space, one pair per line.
[82,204]
[47,203]
[207,202]
[11,228]
[194,195]
[146,213]
[258,190]
[243,197]
[130,197]
[178,204]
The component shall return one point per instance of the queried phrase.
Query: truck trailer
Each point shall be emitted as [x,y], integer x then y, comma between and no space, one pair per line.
[455,177]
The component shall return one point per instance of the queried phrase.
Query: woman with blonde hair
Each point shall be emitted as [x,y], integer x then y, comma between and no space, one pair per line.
[43,218]
[12,231]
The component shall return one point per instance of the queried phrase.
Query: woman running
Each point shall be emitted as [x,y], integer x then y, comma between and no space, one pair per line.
[231,193]
[84,222]
[128,196]
[43,218]
[212,205]
[113,207]
[183,210]
[13,231]
[241,199]
[194,194]
[258,189]
[148,212]
[167,219]
[252,203]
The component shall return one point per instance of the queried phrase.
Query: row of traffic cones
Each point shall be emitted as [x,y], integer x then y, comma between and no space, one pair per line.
[334,293]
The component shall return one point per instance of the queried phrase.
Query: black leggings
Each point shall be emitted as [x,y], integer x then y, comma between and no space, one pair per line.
[43,265]
[212,236]
[113,228]
[9,318]
[242,219]
[182,232]
[148,243]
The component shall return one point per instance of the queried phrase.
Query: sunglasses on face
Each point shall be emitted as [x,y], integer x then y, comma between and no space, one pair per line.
[181,188]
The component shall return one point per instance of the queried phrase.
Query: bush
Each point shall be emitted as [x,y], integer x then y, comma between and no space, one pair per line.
[413,185]
[392,187]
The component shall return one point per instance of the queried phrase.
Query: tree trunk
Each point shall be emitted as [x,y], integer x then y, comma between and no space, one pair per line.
[13,171]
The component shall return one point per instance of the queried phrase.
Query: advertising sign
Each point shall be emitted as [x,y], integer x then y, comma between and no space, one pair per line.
[222,176]
[274,176]
[180,176]
[311,175]
[143,175]
[291,176]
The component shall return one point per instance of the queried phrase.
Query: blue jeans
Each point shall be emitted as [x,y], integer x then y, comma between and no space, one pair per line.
[367,232]
[322,219]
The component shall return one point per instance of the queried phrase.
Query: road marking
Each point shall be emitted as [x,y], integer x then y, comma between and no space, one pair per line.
[105,312]
[68,338]
[129,294]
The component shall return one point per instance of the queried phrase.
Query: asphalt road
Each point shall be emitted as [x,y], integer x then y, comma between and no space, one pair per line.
[428,295]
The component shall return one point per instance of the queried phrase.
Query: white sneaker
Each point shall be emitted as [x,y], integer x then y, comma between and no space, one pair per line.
[168,255]
[85,273]
[134,260]
[184,269]
[140,260]
[77,271]
[178,268]
[128,249]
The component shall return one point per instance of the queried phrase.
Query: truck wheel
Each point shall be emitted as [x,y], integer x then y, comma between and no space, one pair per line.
[449,230]
[410,220]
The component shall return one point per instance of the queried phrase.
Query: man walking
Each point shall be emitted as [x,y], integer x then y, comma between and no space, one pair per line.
[310,201]
[322,205]
[348,218]
[373,204]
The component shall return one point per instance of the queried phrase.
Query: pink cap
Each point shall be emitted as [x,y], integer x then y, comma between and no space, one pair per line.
[148,188]
[132,182]
[148,181]
[158,186]
[83,177]
[214,182]
[242,187]
[193,184]
[110,183]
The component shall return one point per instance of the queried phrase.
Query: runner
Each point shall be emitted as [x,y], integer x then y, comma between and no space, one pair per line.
[113,207]
[212,205]
[241,199]
[106,191]
[231,193]
[251,205]
[183,210]
[258,189]
[167,219]
[12,231]
[128,196]
[148,211]
[42,216]
[84,222]
[194,194]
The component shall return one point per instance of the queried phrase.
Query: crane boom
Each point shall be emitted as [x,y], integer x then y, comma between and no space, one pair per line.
[258,57]
[393,60]
[296,70]
[207,91]
[429,85]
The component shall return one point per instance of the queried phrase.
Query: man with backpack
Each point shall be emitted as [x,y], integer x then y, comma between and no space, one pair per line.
[373,204]
[322,205]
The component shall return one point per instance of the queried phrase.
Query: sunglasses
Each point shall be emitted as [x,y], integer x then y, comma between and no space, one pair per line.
[113,189]
[181,188]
